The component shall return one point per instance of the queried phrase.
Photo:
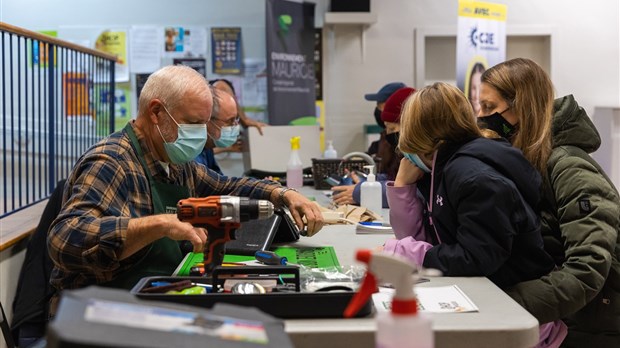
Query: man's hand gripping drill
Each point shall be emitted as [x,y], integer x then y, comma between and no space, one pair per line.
[220,216]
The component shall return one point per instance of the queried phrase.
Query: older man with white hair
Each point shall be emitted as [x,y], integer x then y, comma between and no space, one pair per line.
[116,225]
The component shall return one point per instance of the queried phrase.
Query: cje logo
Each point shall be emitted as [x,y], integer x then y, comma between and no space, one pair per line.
[285,21]
[482,11]
[481,38]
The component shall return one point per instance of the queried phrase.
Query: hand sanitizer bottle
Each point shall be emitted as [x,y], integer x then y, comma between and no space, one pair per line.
[370,192]
[330,152]
[294,167]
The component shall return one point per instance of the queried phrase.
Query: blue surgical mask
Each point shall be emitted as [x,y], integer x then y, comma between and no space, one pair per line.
[191,139]
[417,161]
[228,136]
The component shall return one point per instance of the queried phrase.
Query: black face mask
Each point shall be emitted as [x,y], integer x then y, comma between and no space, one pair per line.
[392,139]
[378,118]
[496,122]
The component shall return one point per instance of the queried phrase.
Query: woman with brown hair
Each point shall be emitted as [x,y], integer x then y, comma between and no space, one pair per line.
[580,210]
[480,193]
[481,198]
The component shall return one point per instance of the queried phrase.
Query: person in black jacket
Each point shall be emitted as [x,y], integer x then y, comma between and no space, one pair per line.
[482,195]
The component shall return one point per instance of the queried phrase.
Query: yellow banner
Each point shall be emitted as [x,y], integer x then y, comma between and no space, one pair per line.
[113,42]
[485,10]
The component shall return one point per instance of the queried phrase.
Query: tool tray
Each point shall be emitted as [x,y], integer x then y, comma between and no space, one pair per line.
[286,305]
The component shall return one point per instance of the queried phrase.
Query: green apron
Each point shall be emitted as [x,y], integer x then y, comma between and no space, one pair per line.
[164,254]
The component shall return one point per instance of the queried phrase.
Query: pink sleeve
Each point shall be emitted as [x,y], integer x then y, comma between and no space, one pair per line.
[552,334]
[406,211]
[409,248]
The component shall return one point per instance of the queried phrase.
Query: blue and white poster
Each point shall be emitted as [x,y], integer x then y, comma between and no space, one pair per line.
[226,50]
[481,44]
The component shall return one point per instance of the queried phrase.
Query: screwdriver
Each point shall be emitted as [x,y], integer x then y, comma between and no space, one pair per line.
[270,258]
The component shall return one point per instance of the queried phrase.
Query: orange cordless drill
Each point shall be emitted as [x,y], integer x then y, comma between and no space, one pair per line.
[221,216]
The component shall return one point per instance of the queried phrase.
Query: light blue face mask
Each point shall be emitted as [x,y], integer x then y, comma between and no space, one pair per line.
[228,136]
[191,139]
[415,159]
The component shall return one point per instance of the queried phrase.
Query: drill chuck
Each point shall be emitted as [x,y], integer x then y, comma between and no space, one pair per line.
[265,209]
[241,209]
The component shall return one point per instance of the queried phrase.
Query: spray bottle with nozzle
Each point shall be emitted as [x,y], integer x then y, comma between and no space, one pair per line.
[404,326]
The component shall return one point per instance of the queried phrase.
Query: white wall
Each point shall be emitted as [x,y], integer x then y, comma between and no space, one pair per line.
[587,57]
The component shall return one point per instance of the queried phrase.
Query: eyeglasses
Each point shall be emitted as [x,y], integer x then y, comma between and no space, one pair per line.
[231,122]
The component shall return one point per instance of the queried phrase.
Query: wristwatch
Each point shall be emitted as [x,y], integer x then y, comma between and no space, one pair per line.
[281,195]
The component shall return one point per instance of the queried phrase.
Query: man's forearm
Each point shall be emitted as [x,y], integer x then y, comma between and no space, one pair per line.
[142,232]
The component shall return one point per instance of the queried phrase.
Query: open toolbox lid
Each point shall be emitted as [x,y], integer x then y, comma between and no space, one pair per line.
[102,317]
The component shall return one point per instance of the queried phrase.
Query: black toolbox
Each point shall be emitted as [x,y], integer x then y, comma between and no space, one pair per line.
[286,305]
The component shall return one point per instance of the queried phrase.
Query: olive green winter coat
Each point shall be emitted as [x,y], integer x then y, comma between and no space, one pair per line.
[580,224]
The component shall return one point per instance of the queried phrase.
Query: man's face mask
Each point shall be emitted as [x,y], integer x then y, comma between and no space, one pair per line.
[228,136]
[392,139]
[498,123]
[191,139]
[378,118]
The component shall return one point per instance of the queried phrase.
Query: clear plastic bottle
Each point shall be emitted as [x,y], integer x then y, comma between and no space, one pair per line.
[330,152]
[294,167]
[403,326]
[413,330]
[370,192]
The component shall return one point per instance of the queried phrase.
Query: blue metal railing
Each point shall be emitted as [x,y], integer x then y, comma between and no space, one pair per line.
[57,99]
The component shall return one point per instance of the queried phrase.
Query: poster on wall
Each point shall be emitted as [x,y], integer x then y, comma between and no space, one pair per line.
[144,49]
[76,89]
[252,88]
[122,105]
[114,42]
[198,64]
[38,51]
[140,81]
[226,50]
[185,42]
[481,43]
[291,81]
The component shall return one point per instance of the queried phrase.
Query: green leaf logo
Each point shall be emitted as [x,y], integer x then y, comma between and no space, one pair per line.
[285,22]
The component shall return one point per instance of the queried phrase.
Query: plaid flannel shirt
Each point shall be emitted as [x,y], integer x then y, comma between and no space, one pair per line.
[106,188]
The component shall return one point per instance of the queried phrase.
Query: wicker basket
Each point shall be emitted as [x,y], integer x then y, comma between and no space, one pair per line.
[324,167]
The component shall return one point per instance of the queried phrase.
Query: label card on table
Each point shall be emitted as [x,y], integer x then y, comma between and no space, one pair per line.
[442,299]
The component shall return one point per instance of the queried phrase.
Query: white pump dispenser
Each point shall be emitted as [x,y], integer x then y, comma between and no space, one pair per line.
[404,326]
[330,152]
[371,192]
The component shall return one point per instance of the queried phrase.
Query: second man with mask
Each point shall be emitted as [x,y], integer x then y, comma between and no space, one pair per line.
[223,129]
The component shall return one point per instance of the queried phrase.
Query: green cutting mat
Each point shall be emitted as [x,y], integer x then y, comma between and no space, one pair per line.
[315,257]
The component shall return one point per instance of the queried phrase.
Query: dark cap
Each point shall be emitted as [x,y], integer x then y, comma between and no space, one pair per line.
[385,92]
